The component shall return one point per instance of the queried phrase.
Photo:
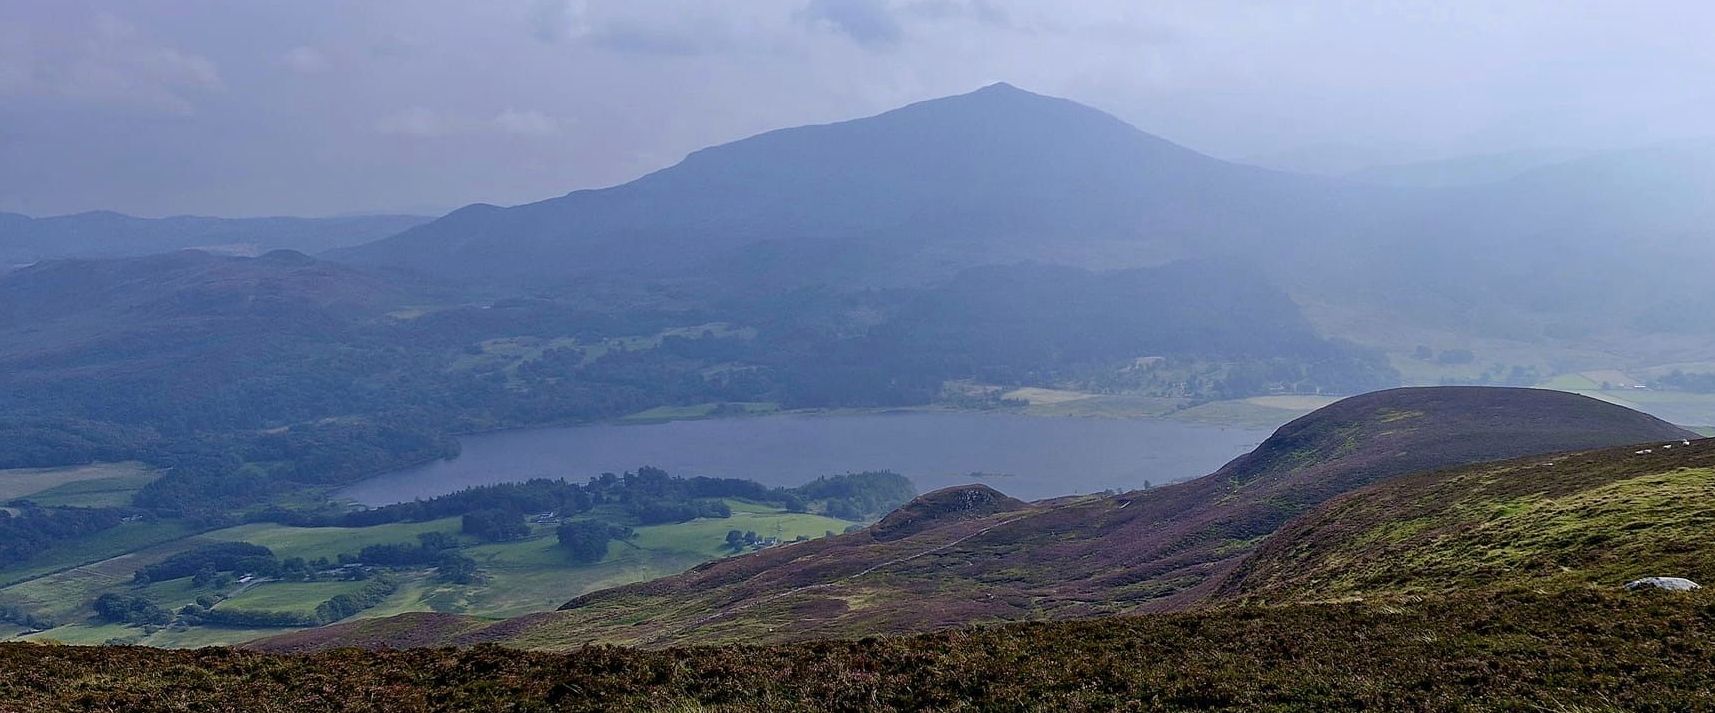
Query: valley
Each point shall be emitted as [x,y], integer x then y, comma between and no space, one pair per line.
[987,401]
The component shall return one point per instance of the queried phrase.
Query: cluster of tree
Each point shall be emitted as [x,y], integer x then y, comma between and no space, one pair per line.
[130,609]
[34,529]
[216,474]
[57,440]
[1445,356]
[27,619]
[248,618]
[587,540]
[395,555]
[433,549]
[1503,375]
[238,557]
[531,496]
[340,606]
[1696,383]
[859,496]
[737,540]
[495,525]
[496,512]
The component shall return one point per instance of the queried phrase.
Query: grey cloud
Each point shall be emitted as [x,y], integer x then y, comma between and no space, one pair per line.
[551,20]
[103,58]
[870,23]
[444,102]
[306,60]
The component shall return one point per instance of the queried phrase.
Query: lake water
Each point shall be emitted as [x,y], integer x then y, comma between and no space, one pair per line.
[1027,457]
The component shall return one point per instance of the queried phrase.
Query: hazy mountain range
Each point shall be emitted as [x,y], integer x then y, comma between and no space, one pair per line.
[1001,175]
[24,239]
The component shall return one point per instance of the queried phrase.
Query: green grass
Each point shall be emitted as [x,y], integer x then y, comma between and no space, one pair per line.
[33,483]
[1586,520]
[1258,412]
[95,493]
[707,537]
[314,542]
[66,594]
[297,597]
[92,633]
[522,577]
[96,547]
[535,574]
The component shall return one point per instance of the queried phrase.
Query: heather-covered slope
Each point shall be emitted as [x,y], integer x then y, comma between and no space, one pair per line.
[1158,549]
[1580,650]
[1598,518]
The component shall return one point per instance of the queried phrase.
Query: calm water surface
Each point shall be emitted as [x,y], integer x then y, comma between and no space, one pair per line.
[1024,456]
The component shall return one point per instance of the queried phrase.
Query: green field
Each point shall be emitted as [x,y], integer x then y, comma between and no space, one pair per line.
[100,483]
[535,575]
[116,542]
[298,597]
[95,493]
[66,593]
[1255,412]
[315,542]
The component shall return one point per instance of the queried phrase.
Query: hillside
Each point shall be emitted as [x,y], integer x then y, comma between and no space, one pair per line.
[24,239]
[1593,518]
[1565,254]
[185,284]
[158,357]
[1152,550]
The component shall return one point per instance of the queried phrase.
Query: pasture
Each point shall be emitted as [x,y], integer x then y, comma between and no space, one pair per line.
[38,483]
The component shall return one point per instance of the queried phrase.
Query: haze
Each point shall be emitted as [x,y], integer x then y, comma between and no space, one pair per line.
[321,108]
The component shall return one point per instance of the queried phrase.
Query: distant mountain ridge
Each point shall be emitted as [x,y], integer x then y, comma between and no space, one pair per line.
[998,174]
[1151,550]
[24,239]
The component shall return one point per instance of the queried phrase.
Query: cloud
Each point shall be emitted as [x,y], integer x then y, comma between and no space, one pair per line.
[306,60]
[526,123]
[417,123]
[104,59]
[867,22]
[555,21]
[424,123]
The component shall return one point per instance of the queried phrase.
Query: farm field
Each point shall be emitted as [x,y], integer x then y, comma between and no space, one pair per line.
[535,575]
[530,575]
[316,542]
[288,596]
[1257,411]
[126,539]
[59,486]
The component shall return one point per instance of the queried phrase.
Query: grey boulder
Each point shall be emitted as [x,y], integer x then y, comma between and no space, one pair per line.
[1672,584]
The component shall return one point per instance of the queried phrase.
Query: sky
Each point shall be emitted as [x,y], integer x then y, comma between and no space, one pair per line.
[329,107]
